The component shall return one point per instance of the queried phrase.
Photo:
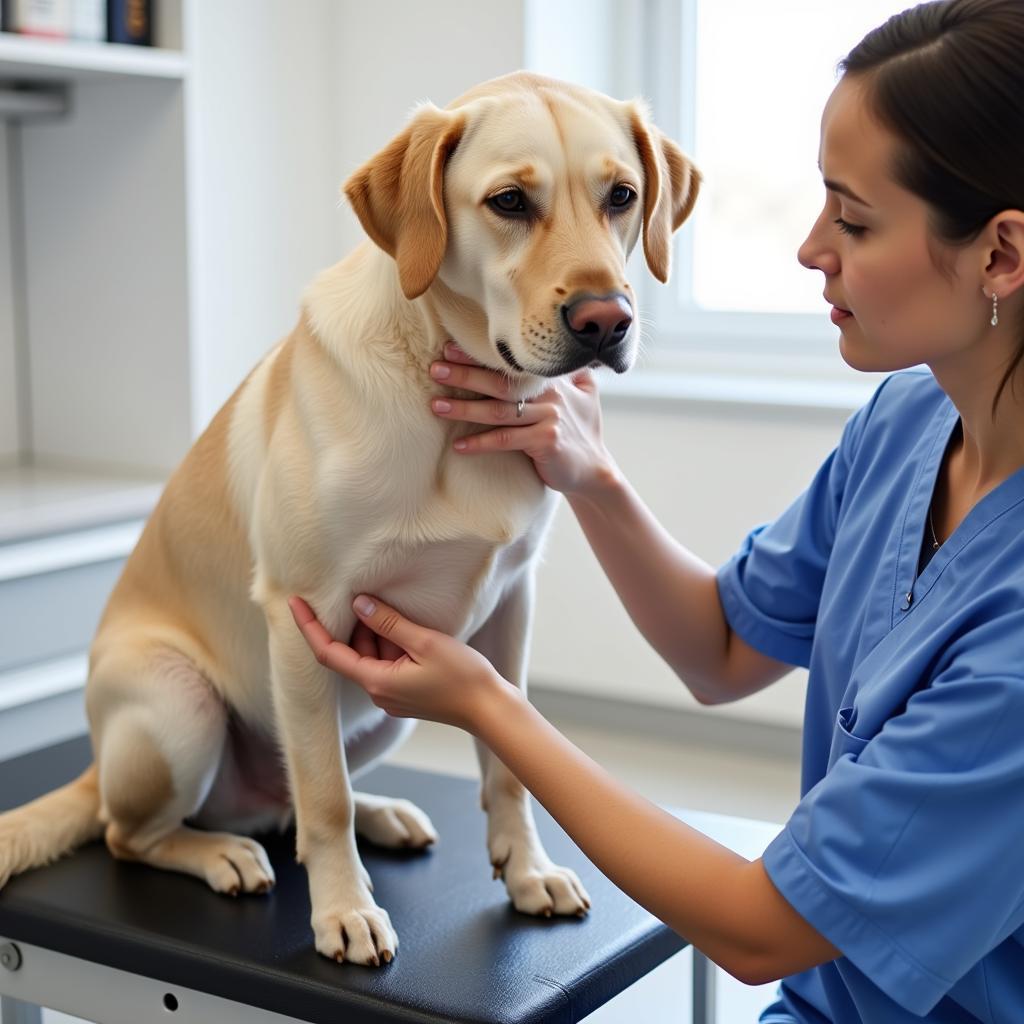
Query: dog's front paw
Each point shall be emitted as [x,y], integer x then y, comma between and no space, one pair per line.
[536,885]
[359,934]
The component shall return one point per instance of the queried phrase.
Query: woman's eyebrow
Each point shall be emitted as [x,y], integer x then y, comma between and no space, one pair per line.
[838,186]
[845,190]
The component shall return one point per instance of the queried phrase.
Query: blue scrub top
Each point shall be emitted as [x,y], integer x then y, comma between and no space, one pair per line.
[907,848]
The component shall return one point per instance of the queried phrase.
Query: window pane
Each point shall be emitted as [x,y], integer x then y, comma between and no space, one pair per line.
[764,72]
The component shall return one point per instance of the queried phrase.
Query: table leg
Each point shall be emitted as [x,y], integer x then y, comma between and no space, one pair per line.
[703,989]
[14,1011]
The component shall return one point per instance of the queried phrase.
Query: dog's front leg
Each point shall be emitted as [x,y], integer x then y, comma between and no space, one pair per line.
[347,923]
[534,884]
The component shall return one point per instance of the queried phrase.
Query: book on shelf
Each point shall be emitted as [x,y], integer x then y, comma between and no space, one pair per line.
[49,19]
[114,21]
[130,21]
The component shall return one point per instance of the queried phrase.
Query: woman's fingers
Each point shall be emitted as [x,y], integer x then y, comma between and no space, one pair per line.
[584,379]
[391,626]
[472,377]
[388,651]
[364,641]
[380,634]
[485,411]
[332,653]
[501,439]
[454,354]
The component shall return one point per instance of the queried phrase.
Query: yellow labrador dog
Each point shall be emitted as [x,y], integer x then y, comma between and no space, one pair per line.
[504,221]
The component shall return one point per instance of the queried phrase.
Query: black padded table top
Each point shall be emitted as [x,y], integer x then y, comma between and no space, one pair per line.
[464,956]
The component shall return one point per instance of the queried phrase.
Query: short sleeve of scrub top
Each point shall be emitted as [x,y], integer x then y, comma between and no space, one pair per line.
[907,848]
[771,587]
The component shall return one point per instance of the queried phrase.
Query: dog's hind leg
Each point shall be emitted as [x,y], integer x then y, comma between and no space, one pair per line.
[159,730]
[384,820]
[392,822]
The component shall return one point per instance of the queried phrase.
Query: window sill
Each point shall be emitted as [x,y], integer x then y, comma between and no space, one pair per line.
[710,389]
[741,380]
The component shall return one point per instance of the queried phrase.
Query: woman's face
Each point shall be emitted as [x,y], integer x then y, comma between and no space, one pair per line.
[871,241]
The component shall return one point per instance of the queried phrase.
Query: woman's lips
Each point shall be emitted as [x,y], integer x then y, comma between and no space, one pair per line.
[838,315]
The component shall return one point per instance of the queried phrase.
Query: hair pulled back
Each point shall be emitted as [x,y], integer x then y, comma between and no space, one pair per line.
[947,79]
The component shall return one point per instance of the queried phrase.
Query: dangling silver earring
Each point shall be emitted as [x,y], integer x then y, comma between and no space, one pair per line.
[995,310]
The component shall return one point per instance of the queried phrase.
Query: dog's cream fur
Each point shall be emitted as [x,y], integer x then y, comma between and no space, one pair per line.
[325,475]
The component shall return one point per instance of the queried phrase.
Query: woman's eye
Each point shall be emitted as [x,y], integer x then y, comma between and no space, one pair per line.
[850,229]
[511,200]
[621,197]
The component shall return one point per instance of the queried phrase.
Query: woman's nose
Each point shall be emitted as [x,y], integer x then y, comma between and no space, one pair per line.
[814,254]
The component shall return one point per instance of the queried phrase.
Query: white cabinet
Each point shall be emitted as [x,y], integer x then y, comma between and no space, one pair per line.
[94,261]
[155,238]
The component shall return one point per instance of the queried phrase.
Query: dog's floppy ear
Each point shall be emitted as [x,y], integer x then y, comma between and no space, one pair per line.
[398,195]
[670,189]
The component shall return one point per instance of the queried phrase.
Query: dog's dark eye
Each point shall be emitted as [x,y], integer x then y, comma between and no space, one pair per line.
[511,201]
[621,197]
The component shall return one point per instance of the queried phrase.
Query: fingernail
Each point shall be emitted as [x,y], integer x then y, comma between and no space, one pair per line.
[440,405]
[364,605]
[439,372]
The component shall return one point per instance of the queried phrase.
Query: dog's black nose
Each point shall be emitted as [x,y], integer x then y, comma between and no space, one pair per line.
[598,322]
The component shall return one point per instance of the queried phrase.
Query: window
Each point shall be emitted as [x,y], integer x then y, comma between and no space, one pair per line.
[763,72]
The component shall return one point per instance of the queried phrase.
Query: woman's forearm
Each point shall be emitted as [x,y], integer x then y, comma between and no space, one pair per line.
[722,903]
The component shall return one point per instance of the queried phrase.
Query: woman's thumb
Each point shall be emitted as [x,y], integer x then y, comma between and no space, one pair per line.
[388,623]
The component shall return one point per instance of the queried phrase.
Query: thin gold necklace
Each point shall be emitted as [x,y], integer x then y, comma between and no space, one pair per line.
[931,526]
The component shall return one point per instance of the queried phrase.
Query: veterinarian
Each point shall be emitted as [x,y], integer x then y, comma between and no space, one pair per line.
[895,892]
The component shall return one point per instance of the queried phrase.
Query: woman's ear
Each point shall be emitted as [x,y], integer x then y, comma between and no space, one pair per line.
[398,195]
[1004,253]
[671,184]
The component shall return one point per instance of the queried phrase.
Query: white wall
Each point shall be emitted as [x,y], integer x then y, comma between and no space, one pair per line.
[9,439]
[392,54]
[262,179]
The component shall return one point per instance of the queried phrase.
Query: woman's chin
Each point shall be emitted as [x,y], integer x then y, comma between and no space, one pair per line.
[853,355]
[859,357]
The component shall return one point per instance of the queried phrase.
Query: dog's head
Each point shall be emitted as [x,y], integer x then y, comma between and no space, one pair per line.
[517,207]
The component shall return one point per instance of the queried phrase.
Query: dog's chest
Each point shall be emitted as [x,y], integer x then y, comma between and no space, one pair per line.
[447,563]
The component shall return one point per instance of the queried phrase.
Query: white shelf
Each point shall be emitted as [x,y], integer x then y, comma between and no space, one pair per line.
[24,58]
[38,682]
[35,502]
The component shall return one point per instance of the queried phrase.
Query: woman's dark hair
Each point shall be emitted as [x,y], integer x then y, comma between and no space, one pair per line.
[947,79]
